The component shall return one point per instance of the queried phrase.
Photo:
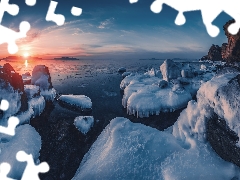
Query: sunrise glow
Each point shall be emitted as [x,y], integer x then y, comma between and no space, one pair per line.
[26,55]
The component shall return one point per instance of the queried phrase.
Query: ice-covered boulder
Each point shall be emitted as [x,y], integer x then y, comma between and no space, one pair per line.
[79,102]
[170,70]
[41,77]
[84,123]
[127,150]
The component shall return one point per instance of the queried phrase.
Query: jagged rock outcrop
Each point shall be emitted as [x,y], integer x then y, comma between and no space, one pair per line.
[9,76]
[232,52]
[214,53]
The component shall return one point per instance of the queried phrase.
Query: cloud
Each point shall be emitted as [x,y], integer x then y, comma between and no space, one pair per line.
[106,24]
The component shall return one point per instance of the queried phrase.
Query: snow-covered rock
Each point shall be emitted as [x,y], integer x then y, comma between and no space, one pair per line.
[84,123]
[77,101]
[41,77]
[126,150]
[170,70]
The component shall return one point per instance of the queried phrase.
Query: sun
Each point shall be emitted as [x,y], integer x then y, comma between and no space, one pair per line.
[26,54]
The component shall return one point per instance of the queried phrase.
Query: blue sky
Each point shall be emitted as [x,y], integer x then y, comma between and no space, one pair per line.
[113,29]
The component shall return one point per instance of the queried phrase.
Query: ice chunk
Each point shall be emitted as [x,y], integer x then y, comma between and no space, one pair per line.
[37,104]
[84,123]
[79,101]
[126,74]
[121,70]
[49,95]
[170,70]
[13,97]
[41,77]
[127,150]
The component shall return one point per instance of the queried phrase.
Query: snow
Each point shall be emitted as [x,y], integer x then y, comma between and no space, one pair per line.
[84,123]
[26,139]
[80,101]
[127,150]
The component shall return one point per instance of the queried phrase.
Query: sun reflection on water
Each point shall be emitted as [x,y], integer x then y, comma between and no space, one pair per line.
[26,63]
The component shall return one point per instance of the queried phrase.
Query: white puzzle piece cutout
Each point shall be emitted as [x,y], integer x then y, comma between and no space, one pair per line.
[209,10]
[12,121]
[4,105]
[7,35]
[59,19]
[31,171]
[76,11]
[12,124]
[30,2]
[4,170]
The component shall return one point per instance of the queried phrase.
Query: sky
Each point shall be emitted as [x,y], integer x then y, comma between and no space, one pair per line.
[112,29]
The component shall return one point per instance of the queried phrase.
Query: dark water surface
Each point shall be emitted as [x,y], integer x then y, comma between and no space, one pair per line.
[63,146]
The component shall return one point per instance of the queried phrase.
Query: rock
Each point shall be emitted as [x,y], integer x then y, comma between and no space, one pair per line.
[224,51]
[223,140]
[163,84]
[232,49]
[170,70]
[41,77]
[214,54]
[9,76]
